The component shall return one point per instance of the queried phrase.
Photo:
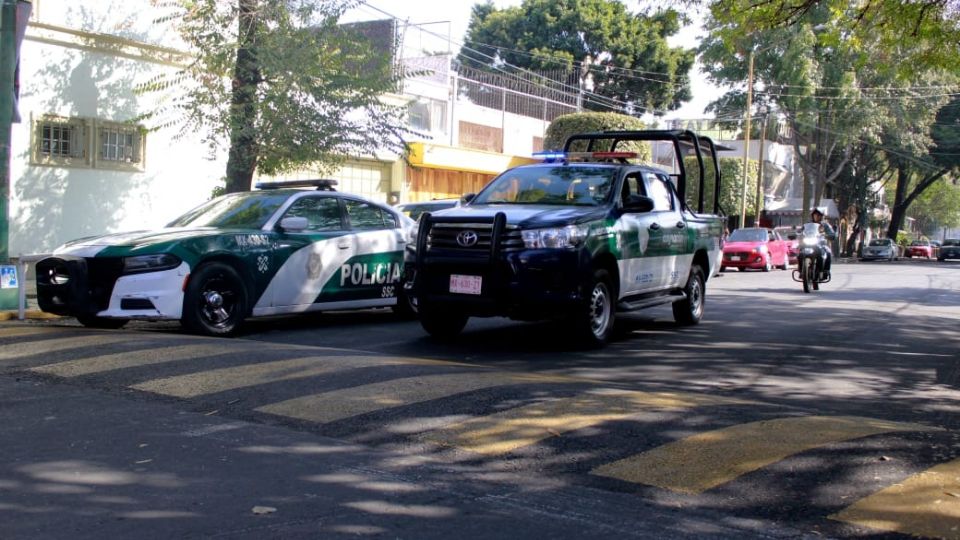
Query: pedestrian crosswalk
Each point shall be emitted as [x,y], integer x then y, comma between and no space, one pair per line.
[543,408]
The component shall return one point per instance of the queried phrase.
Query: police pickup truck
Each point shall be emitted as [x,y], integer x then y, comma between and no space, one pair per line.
[576,238]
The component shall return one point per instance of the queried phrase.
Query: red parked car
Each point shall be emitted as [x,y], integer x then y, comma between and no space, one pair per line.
[755,247]
[921,248]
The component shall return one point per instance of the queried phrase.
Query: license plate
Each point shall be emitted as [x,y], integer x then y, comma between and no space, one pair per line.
[734,258]
[462,284]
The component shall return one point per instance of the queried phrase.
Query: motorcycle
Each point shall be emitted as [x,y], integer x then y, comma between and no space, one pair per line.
[810,258]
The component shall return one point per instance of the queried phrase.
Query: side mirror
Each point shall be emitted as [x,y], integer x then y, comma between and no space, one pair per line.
[294,224]
[467,198]
[637,204]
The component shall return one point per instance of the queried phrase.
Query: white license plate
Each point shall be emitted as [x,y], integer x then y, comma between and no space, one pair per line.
[734,258]
[462,284]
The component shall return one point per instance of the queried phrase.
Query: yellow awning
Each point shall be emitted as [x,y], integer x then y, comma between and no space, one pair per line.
[437,156]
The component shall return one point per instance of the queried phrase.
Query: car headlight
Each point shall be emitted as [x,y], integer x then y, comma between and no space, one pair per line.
[150,263]
[560,237]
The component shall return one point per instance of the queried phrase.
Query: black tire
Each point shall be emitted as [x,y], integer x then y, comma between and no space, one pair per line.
[592,323]
[806,273]
[441,323]
[767,265]
[92,321]
[723,268]
[215,302]
[689,311]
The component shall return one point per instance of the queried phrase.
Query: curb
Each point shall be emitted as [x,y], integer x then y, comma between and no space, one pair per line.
[28,314]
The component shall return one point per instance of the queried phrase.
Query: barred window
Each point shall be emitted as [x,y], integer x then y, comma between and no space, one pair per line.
[60,141]
[119,144]
[87,142]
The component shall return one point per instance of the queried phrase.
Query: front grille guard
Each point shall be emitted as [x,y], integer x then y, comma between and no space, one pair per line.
[499,226]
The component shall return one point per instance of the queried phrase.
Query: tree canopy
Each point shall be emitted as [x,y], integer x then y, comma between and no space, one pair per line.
[280,84]
[622,59]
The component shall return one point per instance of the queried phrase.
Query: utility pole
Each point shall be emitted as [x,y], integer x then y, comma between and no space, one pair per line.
[746,142]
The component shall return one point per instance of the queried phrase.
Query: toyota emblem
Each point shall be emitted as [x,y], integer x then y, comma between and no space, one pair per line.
[467,238]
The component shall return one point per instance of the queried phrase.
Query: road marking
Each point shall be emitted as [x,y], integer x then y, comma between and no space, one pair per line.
[347,402]
[704,461]
[20,331]
[233,378]
[925,504]
[13,351]
[509,430]
[144,357]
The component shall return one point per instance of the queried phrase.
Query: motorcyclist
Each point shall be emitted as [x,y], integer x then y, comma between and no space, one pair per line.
[827,232]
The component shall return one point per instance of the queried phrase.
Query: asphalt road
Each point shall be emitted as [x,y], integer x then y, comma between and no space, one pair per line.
[783,414]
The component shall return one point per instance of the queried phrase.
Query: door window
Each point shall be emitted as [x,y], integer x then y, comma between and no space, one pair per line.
[367,217]
[322,213]
[660,192]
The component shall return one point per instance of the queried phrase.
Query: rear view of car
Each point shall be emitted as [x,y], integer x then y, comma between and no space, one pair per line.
[949,250]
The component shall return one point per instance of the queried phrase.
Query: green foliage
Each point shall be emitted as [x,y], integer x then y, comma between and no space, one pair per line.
[937,207]
[731,185]
[569,124]
[310,92]
[927,31]
[904,238]
[624,56]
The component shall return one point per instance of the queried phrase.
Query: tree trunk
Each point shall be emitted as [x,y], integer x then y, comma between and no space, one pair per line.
[902,200]
[242,160]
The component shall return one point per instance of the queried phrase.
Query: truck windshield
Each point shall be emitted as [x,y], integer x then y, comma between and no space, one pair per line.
[249,210]
[561,185]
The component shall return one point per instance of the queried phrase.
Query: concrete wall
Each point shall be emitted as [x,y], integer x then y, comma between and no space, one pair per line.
[69,74]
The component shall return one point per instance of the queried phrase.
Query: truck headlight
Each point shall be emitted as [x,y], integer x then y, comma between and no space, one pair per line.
[559,237]
[150,263]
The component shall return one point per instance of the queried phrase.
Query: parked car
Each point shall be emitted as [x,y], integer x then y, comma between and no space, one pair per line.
[273,251]
[792,237]
[881,248]
[949,250]
[414,209]
[920,248]
[755,247]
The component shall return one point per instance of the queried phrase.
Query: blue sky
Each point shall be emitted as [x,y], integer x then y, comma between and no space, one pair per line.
[451,17]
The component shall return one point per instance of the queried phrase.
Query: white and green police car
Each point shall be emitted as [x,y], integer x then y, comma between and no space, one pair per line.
[278,250]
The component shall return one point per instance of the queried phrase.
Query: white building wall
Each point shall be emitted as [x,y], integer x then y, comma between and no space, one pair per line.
[518,131]
[71,75]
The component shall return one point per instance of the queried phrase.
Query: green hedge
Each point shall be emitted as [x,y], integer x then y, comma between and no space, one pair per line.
[569,124]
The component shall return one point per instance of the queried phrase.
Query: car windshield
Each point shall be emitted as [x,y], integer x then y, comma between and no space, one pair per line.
[567,186]
[951,243]
[748,235]
[880,242]
[249,210]
[919,243]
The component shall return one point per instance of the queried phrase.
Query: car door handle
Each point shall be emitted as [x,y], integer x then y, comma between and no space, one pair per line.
[681,224]
[343,246]
[654,226]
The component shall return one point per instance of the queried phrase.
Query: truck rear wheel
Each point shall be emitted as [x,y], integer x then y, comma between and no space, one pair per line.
[442,323]
[689,311]
[593,321]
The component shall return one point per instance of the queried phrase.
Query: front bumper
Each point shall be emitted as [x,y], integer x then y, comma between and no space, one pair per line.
[746,260]
[77,286]
[524,285]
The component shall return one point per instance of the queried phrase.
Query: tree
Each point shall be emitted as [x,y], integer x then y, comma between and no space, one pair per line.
[281,84]
[937,207]
[925,159]
[928,30]
[622,58]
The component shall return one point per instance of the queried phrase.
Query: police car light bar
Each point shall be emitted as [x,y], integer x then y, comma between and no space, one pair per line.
[323,184]
[585,156]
